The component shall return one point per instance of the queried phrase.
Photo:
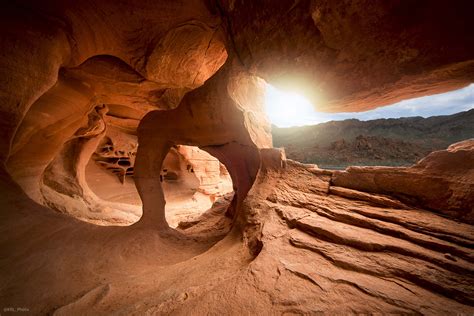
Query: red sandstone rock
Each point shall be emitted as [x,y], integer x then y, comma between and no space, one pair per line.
[289,242]
[443,181]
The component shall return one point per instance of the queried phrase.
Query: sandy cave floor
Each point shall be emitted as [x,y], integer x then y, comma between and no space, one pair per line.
[182,203]
[320,253]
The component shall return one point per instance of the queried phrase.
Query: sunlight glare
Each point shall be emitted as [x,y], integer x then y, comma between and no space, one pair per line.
[286,109]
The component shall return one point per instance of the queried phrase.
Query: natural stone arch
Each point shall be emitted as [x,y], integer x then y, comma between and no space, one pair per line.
[63,184]
[305,244]
[224,133]
[95,78]
[196,186]
[241,161]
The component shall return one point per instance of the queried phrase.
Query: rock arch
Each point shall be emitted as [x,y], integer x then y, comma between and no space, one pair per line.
[315,240]
[224,134]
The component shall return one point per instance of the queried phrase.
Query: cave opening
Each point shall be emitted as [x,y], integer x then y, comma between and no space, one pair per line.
[286,108]
[395,135]
[93,178]
[101,101]
[193,181]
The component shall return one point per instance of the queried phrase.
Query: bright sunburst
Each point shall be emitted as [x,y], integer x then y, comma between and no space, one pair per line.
[286,109]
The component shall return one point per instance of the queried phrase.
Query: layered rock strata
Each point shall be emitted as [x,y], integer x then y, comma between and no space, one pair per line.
[295,239]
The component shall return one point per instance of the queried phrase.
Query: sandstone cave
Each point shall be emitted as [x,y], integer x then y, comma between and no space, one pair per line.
[141,174]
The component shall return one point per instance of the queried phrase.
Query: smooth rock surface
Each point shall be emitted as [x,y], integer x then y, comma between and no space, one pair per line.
[293,239]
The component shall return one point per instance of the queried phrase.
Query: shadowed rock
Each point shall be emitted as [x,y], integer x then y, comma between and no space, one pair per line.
[294,239]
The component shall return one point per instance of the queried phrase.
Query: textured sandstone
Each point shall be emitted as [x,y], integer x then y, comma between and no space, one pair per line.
[292,239]
[318,249]
[354,56]
[443,181]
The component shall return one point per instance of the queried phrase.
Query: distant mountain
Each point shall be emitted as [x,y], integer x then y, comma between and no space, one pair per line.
[384,142]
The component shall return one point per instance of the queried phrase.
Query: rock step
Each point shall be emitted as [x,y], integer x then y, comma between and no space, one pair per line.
[369,240]
[410,274]
[338,213]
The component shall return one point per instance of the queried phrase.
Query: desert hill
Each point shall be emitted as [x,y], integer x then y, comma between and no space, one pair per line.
[388,142]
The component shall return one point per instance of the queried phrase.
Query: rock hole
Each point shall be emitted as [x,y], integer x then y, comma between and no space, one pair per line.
[196,185]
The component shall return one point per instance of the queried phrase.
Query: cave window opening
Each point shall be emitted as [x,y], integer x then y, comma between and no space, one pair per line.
[109,174]
[193,181]
[195,185]
[287,108]
[397,135]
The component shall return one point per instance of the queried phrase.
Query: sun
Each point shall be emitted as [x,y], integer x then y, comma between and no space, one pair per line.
[286,109]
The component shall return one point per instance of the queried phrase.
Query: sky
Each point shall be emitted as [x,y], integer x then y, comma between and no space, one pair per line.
[286,109]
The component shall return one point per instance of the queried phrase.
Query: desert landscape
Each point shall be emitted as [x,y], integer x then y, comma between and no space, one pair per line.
[141,175]
[386,142]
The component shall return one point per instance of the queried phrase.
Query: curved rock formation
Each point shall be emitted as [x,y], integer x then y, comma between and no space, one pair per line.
[224,134]
[443,181]
[355,56]
[295,239]
[63,184]
[192,181]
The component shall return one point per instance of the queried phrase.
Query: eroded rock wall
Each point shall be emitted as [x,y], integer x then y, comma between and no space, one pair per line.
[443,181]
[357,55]
[190,73]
